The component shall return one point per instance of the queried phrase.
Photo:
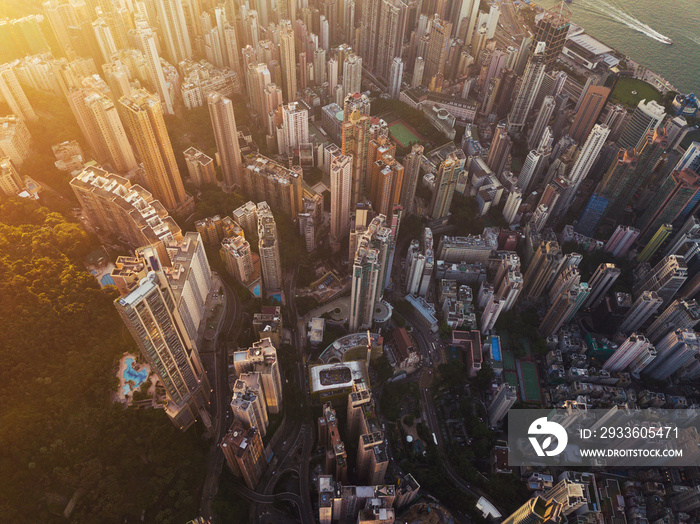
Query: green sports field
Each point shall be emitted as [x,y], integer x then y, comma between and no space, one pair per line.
[624,88]
[402,134]
[528,373]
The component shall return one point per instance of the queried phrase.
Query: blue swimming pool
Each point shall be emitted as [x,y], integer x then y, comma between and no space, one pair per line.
[137,377]
[496,348]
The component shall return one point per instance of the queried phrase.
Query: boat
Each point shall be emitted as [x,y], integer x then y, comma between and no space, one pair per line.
[666,40]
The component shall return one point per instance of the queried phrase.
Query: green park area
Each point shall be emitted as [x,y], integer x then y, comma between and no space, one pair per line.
[630,91]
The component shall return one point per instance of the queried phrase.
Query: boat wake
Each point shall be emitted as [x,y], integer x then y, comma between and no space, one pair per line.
[604,8]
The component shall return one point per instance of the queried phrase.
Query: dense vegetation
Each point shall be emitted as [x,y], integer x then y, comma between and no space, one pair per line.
[62,436]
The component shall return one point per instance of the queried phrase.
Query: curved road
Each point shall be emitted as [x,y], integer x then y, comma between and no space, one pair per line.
[222,398]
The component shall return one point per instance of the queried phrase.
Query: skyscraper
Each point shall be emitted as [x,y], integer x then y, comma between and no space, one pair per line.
[288,60]
[341,195]
[552,29]
[621,240]
[281,187]
[144,115]
[436,54]
[681,314]
[268,248]
[675,350]
[200,167]
[646,117]
[543,267]
[655,243]
[545,114]
[503,400]
[101,126]
[643,308]
[245,454]
[634,354]
[391,30]
[238,259]
[529,86]
[150,313]
[355,140]
[173,27]
[396,77]
[411,174]
[588,112]
[15,140]
[536,511]
[499,151]
[563,308]
[352,74]
[675,199]
[261,358]
[601,281]
[445,183]
[13,94]
[223,122]
[147,43]
[10,181]
[666,278]
[585,159]
[295,128]
[370,266]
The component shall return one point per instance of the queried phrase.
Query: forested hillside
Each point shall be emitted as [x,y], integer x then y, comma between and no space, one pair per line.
[61,437]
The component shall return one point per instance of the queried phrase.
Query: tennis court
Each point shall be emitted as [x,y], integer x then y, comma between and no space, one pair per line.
[529,382]
[402,134]
[508,360]
[512,379]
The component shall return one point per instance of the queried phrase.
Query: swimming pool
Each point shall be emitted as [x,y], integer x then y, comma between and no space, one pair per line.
[130,374]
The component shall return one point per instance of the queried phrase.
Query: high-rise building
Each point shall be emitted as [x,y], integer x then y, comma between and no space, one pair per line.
[15,140]
[116,207]
[675,350]
[390,36]
[396,78]
[445,183]
[418,70]
[675,199]
[621,240]
[542,121]
[245,454]
[341,198]
[248,402]
[355,141]
[643,308]
[536,511]
[101,126]
[150,312]
[666,278]
[563,308]
[588,112]
[569,494]
[411,174]
[633,354]
[200,167]
[552,29]
[173,28]
[288,60]
[146,38]
[436,53]
[655,243]
[646,117]
[512,206]
[686,233]
[543,267]
[268,248]
[352,74]
[10,181]
[503,400]
[144,115]
[386,179]
[681,314]
[11,91]
[602,280]
[281,187]
[492,310]
[238,259]
[585,159]
[370,266]
[295,128]
[223,121]
[529,86]
[262,358]
[499,152]
[214,229]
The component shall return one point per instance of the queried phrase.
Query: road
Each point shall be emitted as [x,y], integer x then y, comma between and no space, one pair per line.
[424,338]
[222,397]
